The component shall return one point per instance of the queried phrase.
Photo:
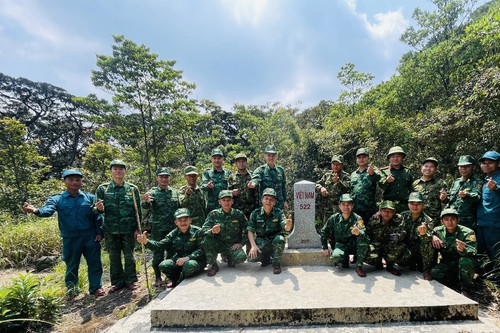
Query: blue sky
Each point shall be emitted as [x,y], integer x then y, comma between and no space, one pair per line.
[235,51]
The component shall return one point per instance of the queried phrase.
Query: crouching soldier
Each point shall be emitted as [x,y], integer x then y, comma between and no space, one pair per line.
[184,243]
[269,224]
[384,232]
[348,230]
[457,245]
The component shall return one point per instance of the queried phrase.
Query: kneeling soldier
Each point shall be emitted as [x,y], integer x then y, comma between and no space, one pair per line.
[348,231]
[184,243]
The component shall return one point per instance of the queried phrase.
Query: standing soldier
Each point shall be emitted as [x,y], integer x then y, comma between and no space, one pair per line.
[192,197]
[396,180]
[115,202]
[272,176]
[80,229]
[386,243]
[457,245]
[348,230]
[214,180]
[245,198]
[364,185]
[224,232]
[465,193]
[163,202]
[266,229]
[419,253]
[430,188]
[330,187]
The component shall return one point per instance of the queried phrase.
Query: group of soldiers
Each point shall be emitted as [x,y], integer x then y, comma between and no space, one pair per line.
[240,215]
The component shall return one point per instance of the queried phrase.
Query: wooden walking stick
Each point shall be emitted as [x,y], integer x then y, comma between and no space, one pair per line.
[142,245]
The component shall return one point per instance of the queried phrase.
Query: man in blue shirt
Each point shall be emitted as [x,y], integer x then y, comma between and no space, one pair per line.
[81,231]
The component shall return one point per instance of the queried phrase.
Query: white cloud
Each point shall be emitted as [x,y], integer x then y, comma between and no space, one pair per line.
[247,11]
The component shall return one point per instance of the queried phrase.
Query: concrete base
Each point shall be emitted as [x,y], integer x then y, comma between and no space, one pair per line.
[304,257]
[252,296]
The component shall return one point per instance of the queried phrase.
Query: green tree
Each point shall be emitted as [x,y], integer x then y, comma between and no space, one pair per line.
[356,83]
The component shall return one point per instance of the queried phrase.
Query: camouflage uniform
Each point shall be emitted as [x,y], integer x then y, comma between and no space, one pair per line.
[326,206]
[196,204]
[454,263]
[219,179]
[384,242]
[363,192]
[181,245]
[163,205]
[120,223]
[247,199]
[419,253]
[339,230]
[466,207]
[266,177]
[268,230]
[430,192]
[233,227]
[399,190]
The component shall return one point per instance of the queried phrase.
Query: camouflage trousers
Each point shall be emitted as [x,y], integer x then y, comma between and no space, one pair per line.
[447,272]
[213,246]
[116,244]
[177,273]
[418,256]
[390,251]
[270,247]
[158,256]
[358,247]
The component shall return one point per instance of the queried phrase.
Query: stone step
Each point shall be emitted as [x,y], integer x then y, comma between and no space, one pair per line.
[249,295]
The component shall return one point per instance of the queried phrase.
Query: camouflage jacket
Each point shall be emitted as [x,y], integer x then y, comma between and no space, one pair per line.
[430,192]
[335,190]
[266,177]
[364,189]
[379,232]
[267,225]
[399,190]
[411,234]
[340,230]
[219,179]
[196,204]
[247,199]
[163,205]
[233,226]
[449,250]
[467,206]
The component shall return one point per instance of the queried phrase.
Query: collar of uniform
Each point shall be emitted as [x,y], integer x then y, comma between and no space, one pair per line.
[66,194]
[421,180]
[269,168]
[215,170]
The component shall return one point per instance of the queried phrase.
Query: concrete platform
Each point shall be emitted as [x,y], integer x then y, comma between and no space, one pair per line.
[309,295]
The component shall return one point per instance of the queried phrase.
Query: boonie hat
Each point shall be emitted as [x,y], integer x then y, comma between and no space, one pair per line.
[71,172]
[117,162]
[466,160]
[345,197]
[270,149]
[430,159]
[362,151]
[181,212]
[162,171]
[269,191]
[217,151]
[337,158]
[395,150]
[190,170]
[415,197]
[388,204]
[241,155]
[491,155]
[448,211]
[225,193]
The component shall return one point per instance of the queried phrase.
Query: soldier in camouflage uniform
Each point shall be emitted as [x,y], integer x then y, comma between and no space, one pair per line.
[163,201]
[419,253]
[348,230]
[192,197]
[184,243]
[225,232]
[245,199]
[465,193]
[396,180]
[364,185]
[115,202]
[266,227]
[430,188]
[214,180]
[457,245]
[385,242]
[330,187]
[272,176]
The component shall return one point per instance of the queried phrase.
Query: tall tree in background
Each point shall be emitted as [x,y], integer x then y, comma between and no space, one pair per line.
[356,83]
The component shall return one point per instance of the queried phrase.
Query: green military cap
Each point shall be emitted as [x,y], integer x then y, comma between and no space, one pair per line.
[71,172]
[270,149]
[430,159]
[225,193]
[190,170]
[181,212]
[345,197]
[362,151]
[466,160]
[269,191]
[337,158]
[117,162]
[395,150]
[449,211]
[241,155]
[415,197]
[162,171]
[388,204]
[217,151]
